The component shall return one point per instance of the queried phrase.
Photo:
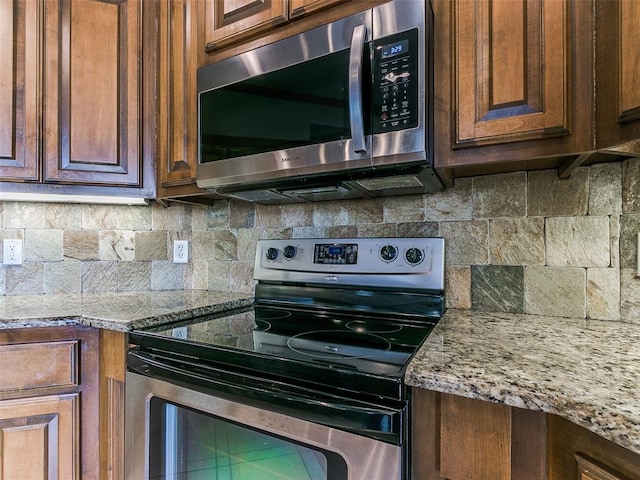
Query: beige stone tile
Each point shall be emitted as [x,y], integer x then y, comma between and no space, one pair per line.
[225,246]
[198,218]
[516,241]
[117,245]
[377,230]
[25,279]
[99,217]
[308,232]
[605,189]
[629,229]
[3,282]
[297,215]
[62,277]
[547,195]
[219,276]
[503,195]
[368,211]
[2,215]
[81,244]
[166,275]
[241,278]
[404,209]
[466,243]
[133,217]
[276,233]
[452,204]
[247,243]
[63,215]
[614,228]
[242,214]
[268,215]
[630,295]
[458,287]
[24,215]
[134,276]
[419,229]
[202,246]
[43,245]
[631,186]
[603,293]
[342,231]
[578,241]
[176,217]
[218,215]
[555,291]
[197,275]
[330,214]
[151,246]
[99,277]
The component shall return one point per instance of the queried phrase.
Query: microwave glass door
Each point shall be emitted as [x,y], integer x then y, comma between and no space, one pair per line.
[188,444]
[300,105]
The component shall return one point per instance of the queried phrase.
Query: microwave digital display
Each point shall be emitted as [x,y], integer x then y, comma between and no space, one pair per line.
[393,49]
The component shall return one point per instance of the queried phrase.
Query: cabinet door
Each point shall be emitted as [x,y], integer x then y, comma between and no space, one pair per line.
[298,8]
[229,21]
[177,103]
[92,88]
[19,75]
[513,82]
[617,77]
[39,438]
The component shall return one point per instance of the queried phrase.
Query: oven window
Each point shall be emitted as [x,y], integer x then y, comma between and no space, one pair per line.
[185,444]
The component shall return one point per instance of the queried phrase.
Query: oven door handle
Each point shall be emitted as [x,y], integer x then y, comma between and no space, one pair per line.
[363,418]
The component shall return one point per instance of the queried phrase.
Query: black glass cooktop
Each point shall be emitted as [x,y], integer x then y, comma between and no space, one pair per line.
[343,350]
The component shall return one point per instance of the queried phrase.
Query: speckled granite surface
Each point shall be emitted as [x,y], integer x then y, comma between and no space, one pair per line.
[114,311]
[583,370]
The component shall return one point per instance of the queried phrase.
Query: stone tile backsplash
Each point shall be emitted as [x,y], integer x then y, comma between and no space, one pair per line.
[524,242]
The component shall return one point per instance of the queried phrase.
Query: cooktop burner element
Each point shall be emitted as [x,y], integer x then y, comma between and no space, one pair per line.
[336,344]
[373,327]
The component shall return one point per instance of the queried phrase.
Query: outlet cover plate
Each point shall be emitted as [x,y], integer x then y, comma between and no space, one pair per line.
[12,251]
[180,251]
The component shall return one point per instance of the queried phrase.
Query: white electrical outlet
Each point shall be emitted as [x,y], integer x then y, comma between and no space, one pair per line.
[12,251]
[180,251]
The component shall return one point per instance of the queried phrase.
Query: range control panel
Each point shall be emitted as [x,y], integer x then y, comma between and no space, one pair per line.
[395,89]
[401,262]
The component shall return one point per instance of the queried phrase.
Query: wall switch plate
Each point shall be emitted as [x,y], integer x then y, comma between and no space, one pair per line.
[12,251]
[180,251]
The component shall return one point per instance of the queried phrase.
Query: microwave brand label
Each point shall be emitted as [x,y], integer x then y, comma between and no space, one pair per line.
[289,159]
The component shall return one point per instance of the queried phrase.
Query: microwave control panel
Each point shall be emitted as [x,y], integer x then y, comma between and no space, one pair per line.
[395,88]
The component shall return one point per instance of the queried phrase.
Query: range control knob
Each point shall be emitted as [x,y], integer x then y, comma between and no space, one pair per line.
[414,256]
[272,253]
[388,253]
[289,252]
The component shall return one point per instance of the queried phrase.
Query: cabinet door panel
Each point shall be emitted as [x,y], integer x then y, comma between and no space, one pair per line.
[177,116]
[91,102]
[630,60]
[512,71]
[228,21]
[39,438]
[18,90]
[299,8]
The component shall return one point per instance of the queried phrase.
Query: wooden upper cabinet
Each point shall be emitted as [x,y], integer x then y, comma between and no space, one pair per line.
[513,82]
[511,61]
[298,8]
[177,102]
[230,21]
[19,90]
[92,85]
[618,72]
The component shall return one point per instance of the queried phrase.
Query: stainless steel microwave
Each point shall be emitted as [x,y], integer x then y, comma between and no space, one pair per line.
[340,111]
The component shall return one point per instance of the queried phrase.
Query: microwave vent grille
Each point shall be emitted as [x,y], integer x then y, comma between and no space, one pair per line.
[389,183]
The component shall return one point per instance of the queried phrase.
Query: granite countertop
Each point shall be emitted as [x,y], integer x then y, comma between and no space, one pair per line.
[586,371]
[114,311]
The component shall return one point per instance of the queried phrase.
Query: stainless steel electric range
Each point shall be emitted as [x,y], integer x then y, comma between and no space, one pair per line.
[306,384]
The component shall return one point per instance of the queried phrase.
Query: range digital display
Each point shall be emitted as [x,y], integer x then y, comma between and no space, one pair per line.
[336,253]
[396,48]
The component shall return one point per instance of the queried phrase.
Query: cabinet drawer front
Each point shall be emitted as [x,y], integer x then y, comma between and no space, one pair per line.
[39,365]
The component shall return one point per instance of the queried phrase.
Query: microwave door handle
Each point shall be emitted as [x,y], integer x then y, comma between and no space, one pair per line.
[355,89]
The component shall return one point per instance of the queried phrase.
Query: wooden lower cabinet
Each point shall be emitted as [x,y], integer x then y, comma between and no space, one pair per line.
[458,438]
[49,403]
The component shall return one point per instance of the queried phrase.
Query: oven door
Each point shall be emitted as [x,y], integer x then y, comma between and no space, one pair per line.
[173,432]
